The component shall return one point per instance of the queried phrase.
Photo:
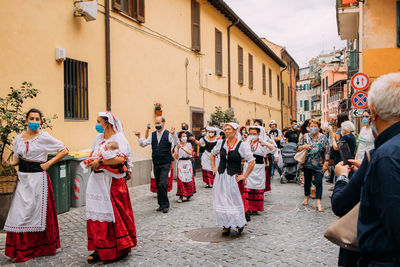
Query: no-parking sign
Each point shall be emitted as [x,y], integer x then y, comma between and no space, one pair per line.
[360,81]
[360,100]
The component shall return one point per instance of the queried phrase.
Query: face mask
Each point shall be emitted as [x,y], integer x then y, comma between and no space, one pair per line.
[295,127]
[99,129]
[204,133]
[184,129]
[33,125]
[184,139]
[158,127]
[252,138]
[243,132]
[365,121]
[313,130]
[308,129]
[211,134]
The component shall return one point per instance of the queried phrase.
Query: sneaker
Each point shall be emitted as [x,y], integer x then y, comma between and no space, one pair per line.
[179,200]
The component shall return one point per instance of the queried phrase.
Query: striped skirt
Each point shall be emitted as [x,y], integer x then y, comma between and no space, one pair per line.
[208,177]
[185,189]
[153,185]
[255,199]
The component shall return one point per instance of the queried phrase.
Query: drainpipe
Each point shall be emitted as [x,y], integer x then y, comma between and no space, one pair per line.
[285,68]
[108,64]
[229,61]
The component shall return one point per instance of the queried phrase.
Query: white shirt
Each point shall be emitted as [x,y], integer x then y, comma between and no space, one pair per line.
[365,142]
[172,138]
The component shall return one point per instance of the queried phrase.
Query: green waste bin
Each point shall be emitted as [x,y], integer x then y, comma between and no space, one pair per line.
[60,179]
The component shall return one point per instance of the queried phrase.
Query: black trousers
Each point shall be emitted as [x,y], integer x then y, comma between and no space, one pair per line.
[161,176]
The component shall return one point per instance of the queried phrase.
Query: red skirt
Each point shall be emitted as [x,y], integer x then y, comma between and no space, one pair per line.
[255,199]
[185,189]
[153,185]
[27,245]
[242,190]
[113,240]
[267,180]
[208,177]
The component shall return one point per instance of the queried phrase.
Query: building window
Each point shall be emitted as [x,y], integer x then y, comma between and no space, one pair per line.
[264,82]
[270,81]
[301,104]
[250,71]
[195,25]
[326,83]
[306,105]
[277,86]
[283,91]
[398,23]
[75,89]
[289,90]
[240,65]
[218,52]
[312,105]
[133,8]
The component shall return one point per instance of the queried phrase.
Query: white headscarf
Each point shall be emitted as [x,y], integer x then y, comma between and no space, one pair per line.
[113,120]
[213,129]
[235,126]
[263,135]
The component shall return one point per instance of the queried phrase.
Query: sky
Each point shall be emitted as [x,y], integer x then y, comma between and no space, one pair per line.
[304,27]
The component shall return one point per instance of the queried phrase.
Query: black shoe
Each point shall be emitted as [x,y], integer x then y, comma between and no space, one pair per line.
[226,231]
[159,209]
[247,215]
[241,229]
[165,210]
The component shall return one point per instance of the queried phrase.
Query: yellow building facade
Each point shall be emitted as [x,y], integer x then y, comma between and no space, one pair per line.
[150,61]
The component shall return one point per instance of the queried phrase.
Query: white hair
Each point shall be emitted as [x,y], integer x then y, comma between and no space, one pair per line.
[384,96]
[348,126]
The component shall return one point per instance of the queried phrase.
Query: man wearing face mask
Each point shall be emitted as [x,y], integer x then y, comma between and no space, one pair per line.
[161,142]
[293,133]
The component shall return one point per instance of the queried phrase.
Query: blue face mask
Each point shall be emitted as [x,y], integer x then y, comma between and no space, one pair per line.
[295,127]
[314,130]
[365,121]
[33,125]
[99,129]
[158,127]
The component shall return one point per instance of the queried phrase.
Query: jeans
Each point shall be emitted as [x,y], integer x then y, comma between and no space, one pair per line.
[161,177]
[308,175]
[274,166]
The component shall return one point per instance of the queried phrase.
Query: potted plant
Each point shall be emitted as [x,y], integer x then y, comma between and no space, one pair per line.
[12,122]
[158,109]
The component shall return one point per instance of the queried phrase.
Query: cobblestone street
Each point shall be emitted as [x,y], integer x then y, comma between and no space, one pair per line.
[286,234]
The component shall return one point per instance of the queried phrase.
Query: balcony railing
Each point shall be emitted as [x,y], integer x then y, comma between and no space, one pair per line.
[316,98]
[336,97]
[315,82]
[316,112]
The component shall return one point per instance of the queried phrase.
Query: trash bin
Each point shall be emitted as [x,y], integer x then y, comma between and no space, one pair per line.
[79,179]
[60,179]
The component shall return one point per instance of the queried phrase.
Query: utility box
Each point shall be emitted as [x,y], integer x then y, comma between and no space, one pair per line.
[79,180]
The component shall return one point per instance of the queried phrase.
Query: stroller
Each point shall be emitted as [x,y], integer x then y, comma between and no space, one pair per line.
[290,165]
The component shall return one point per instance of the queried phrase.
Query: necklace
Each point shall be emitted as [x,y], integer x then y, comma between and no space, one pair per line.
[253,149]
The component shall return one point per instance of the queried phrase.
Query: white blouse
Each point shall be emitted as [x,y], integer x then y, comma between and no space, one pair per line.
[244,150]
[183,154]
[259,149]
[38,148]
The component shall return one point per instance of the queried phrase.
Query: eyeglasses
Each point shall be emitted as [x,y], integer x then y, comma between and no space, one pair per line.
[366,116]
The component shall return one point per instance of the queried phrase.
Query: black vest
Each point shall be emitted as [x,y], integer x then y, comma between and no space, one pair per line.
[233,164]
[161,152]
[209,146]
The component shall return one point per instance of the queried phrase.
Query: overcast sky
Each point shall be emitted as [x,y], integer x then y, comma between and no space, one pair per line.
[304,27]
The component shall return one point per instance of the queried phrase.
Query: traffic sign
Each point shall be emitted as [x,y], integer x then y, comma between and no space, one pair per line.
[360,100]
[360,81]
[357,113]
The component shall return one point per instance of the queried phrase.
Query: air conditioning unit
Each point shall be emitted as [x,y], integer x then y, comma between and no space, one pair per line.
[87,9]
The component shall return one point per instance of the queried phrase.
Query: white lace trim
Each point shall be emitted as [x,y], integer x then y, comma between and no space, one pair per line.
[97,197]
[230,220]
[98,216]
[43,215]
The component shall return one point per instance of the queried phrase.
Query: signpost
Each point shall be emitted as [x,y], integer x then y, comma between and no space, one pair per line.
[360,81]
[360,100]
[357,113]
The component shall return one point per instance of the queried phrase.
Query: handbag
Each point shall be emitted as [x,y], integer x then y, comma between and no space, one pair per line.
[300,156]
[343,232]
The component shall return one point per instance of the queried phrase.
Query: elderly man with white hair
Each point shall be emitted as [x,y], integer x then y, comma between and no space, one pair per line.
[379,214]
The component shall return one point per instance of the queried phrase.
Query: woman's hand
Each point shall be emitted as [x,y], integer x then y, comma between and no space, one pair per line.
[45,166]
[240,177]
[325,167]
[355,164]
[341,169]
[214,170]
[94,164]
[128,176]
[276,159]
[307,147]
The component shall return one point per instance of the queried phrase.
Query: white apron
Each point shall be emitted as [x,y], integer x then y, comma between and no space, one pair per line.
[256,179]
[185,171]
[28,209]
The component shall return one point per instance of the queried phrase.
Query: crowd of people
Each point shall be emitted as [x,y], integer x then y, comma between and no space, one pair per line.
[238,163]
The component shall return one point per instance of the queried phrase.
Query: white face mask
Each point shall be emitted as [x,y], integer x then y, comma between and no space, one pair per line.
[252,137]
[184,139]
[211,134]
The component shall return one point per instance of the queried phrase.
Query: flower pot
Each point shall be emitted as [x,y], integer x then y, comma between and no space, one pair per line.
[7,188]
[158,112]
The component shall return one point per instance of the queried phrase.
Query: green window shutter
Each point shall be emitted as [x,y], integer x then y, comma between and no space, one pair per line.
[301,103]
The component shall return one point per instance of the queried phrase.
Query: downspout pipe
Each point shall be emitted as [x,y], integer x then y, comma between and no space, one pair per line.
[285,68]
[229,61]
[108,51]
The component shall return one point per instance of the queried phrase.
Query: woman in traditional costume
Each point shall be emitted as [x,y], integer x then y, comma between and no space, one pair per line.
[185,177]
[208,142]
[31,225]
[227,199]
[255,183]
[111,227]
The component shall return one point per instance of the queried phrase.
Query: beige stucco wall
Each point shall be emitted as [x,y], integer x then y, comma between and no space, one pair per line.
[145,68]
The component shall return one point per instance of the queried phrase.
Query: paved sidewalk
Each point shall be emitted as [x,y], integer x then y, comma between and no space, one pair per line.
[286,234]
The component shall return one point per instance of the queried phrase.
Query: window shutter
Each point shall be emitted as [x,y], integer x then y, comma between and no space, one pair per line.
[283,91]
[218,52]
[250,71]
[270,81]
[264,83]
[117,4]
[240,65]
[140,10]
[195,25]
[277,87]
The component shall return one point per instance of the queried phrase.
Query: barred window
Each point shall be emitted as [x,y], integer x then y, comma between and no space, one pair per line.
[76,90]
